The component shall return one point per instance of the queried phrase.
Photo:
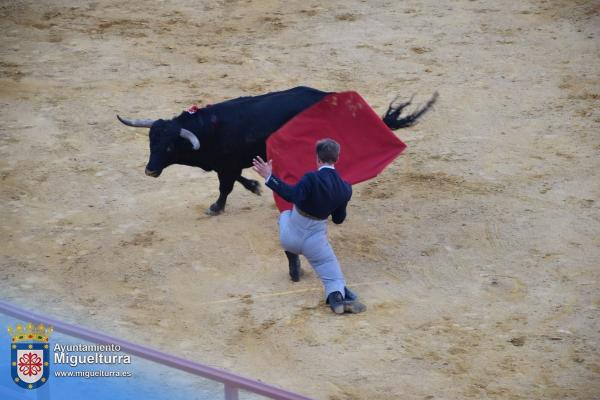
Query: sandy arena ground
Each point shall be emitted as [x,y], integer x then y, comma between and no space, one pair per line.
[477,251]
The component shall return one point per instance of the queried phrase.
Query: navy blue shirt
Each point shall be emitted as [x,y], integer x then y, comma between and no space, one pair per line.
[320,193]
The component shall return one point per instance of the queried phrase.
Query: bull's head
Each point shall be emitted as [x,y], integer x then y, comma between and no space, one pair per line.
[167,140]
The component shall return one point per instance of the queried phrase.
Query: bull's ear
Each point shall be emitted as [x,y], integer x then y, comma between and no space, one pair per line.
[184,133]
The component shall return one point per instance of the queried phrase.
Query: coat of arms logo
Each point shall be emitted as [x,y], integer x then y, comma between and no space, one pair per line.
[30,360]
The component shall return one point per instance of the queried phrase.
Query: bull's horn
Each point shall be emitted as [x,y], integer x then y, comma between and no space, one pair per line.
[137,123]
[184,133]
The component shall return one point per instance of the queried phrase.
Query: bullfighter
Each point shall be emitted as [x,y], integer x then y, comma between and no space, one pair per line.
[303,230]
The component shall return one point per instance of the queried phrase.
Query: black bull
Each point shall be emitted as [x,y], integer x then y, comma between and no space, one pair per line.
[225,137]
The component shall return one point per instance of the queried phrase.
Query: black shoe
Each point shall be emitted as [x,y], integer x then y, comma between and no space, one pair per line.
[354,307]
[336,302]
[294,266]
[351,303]
[349,295]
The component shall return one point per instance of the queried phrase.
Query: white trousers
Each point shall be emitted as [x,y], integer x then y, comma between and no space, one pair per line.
[301,235]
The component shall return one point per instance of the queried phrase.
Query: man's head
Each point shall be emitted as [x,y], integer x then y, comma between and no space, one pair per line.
[328,151]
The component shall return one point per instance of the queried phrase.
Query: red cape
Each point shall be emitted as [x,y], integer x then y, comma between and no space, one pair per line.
[367,144]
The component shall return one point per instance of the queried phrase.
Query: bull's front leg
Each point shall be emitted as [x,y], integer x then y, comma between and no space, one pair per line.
[249,184]
[226,181]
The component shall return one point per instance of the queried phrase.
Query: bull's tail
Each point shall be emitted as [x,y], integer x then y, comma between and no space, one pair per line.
[394,120]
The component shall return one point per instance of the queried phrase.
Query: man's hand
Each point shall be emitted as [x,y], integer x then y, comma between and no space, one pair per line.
[264,169]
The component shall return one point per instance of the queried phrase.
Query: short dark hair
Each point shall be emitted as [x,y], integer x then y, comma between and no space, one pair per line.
[328,150]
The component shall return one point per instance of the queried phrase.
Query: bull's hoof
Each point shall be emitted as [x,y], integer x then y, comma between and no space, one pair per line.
[214,209]
[254,187]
